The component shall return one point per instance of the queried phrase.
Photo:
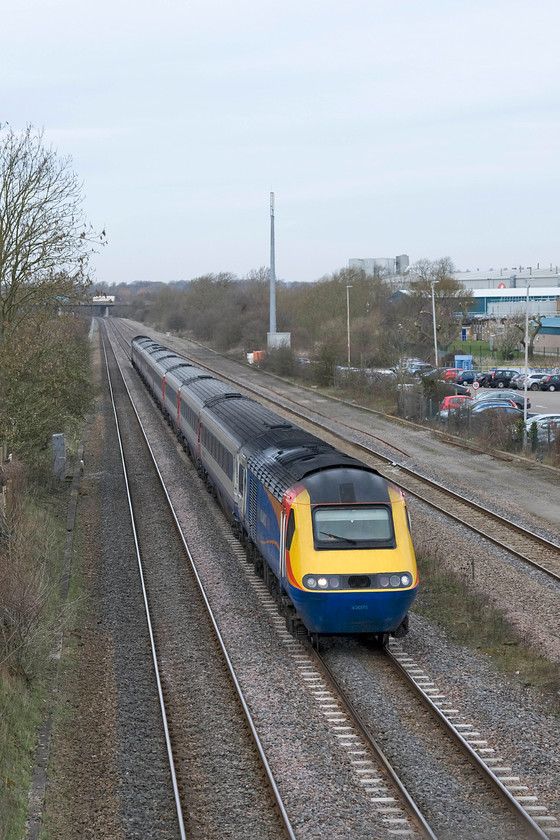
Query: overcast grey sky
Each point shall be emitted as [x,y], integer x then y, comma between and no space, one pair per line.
[421,127]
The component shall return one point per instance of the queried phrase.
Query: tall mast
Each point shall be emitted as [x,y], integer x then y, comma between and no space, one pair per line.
[272,269]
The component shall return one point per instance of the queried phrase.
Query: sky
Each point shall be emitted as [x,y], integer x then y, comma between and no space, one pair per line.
[422,127]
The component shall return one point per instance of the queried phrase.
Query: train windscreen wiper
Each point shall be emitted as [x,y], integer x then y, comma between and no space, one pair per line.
[337,537]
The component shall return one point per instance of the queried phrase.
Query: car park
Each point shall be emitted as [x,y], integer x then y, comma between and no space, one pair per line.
[504,395]
[550,383]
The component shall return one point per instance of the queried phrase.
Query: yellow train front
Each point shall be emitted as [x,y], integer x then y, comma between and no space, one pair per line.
[349,564]
[338,540]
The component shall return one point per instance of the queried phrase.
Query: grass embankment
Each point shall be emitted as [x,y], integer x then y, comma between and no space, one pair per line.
[31,558]
[21,710]
[447,598]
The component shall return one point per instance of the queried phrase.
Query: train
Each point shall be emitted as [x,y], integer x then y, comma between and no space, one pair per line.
[330,535]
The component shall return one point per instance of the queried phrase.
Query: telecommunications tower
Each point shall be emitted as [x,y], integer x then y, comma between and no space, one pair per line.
[272,269]
[274,339]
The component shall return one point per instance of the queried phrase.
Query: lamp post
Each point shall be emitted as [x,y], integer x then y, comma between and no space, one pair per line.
[432,284]
[348,319]
[526,363]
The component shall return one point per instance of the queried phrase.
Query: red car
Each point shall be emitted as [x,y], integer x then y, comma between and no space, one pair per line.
[451,373]
[449,405]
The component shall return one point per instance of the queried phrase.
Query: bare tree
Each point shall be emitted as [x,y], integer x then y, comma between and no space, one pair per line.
[45,242]
[508,340]
[534,327]
[451,299]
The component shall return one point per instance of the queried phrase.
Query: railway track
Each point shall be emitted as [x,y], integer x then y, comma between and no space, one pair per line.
[197,730]
[450,741]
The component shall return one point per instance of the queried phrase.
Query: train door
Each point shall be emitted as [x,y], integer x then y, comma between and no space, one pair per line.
[282,545]
[240,486]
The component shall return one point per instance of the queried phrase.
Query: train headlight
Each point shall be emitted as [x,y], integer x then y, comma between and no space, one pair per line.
[323,582]
[383,580]
[395,580]
[406,580]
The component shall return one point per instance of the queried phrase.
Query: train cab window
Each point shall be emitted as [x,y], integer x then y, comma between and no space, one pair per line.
[353,527]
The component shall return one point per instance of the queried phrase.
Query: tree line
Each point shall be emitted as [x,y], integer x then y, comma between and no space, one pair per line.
[45,387]
[386,323]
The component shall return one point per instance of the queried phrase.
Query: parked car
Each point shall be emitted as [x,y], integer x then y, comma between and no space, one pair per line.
[482,377]
[515,380]
[461,390]
[502,409]
[414,367]
[506,395]
[453,405]
[466,377]
[449,373]
[439,388]
[421,369]
[536,418]
[547,425]
[501,378]
[550,383]
[533,381]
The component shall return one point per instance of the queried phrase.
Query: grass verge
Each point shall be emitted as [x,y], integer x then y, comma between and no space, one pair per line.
[445,597]
[21,712]
[30,610]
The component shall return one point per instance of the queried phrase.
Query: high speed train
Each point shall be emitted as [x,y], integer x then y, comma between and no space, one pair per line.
[330,535]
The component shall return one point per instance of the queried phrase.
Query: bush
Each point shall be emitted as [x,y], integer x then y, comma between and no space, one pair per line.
[280,361]
[45,385]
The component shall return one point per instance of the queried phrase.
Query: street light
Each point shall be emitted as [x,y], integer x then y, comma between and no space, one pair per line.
[433,283]
[348,319]
[526,363]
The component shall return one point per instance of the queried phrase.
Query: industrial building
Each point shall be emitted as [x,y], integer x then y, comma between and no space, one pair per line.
[508,302]
[384,266]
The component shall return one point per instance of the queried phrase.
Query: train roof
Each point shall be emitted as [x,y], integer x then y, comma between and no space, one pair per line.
[205,388]
[278,452]
[142,340]
[184,373]
[244,417]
